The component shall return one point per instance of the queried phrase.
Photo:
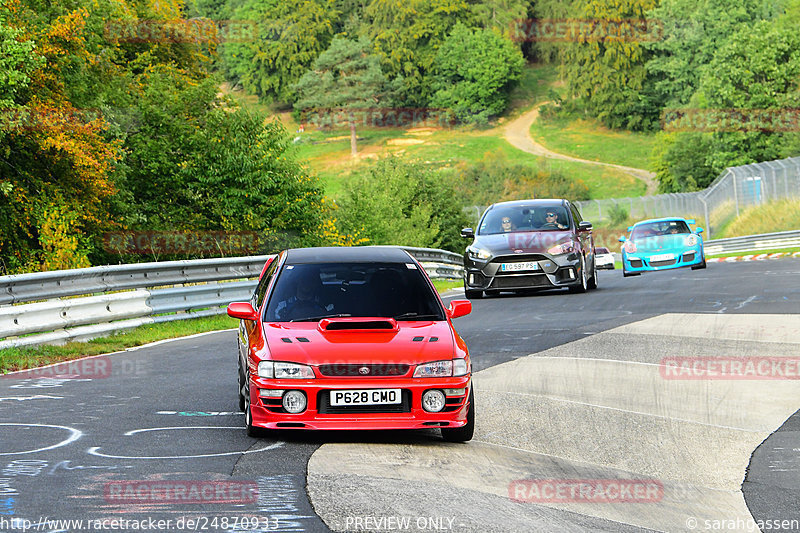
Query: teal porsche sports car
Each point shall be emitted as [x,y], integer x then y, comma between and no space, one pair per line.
[661,244]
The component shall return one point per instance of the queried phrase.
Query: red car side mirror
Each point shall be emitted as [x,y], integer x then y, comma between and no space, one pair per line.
[458,308]
[242,310]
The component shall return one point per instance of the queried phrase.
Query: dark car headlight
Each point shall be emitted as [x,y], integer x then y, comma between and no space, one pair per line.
[478,253]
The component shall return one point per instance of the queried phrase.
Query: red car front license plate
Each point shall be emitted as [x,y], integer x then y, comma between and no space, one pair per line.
[365,397]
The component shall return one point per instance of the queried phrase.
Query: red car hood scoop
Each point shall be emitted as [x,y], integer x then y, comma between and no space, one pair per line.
[359,324]
[360,340]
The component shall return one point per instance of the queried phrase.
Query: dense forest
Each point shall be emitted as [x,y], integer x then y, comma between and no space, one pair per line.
[112,118]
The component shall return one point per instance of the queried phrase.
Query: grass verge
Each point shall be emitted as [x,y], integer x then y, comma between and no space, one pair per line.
[588,139]
[32,356]
[782,215]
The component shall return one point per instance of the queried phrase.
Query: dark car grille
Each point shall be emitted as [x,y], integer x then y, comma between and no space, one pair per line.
[636,263]
[520,282]
[324,405]
[668,262]
[689,256]
[519,258]
[341,371]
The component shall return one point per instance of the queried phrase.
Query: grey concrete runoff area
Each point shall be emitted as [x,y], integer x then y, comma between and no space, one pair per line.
[602,411]
[574,413]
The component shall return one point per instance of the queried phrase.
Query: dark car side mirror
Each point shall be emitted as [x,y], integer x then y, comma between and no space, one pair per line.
[458,308]
[242,311]
[585,226]
[467,233]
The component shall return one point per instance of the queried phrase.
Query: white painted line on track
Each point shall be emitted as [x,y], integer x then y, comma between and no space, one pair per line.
[74,435]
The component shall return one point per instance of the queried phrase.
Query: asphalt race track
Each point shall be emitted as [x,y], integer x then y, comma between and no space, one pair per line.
[569,388]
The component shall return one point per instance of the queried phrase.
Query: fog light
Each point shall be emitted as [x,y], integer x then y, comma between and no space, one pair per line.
[455,392]
[270,393]
[294,401]
[571,274]
[472,279]
[433,401]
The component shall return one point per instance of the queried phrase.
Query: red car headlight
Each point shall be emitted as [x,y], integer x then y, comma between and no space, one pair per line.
[630,247]
[442,369]
[281,370]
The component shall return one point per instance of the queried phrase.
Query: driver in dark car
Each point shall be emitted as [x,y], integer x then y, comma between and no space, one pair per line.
[551,220]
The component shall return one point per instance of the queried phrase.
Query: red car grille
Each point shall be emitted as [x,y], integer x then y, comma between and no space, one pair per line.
[342,371]
[324,405]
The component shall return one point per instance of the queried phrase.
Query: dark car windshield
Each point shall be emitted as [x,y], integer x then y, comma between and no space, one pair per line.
[524,218]
[600,250]
[310,292]
[656,229]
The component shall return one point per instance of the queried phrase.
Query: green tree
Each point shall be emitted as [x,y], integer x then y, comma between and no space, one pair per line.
[681,161]
[346,76]
[397,202]
[500,15]
[474,72]
[754,70]
[197,162]
[494,179]
[753,74]
[691,33]
[18,61]
[605,67]
[406,35]
[291,35]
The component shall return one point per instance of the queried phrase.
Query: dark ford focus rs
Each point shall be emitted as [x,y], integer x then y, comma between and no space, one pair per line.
[529,244]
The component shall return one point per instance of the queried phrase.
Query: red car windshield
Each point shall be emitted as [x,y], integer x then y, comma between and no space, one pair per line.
[312,291]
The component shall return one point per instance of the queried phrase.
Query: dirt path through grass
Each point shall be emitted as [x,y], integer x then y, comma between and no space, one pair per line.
[517,132]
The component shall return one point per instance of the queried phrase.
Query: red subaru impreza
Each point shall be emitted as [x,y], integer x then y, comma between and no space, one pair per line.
[352,338]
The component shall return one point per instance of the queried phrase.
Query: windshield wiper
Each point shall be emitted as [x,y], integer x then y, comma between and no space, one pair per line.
[318,318]
[417,316]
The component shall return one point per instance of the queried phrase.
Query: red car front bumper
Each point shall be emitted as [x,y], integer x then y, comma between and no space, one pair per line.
[268,412]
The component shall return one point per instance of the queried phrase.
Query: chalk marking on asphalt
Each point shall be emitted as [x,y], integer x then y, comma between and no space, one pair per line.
[37,397]
[95,449]
[745,302]
[74,435]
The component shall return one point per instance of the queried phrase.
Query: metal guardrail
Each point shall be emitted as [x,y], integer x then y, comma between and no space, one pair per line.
[44,285]
[204,287]
[765,241]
